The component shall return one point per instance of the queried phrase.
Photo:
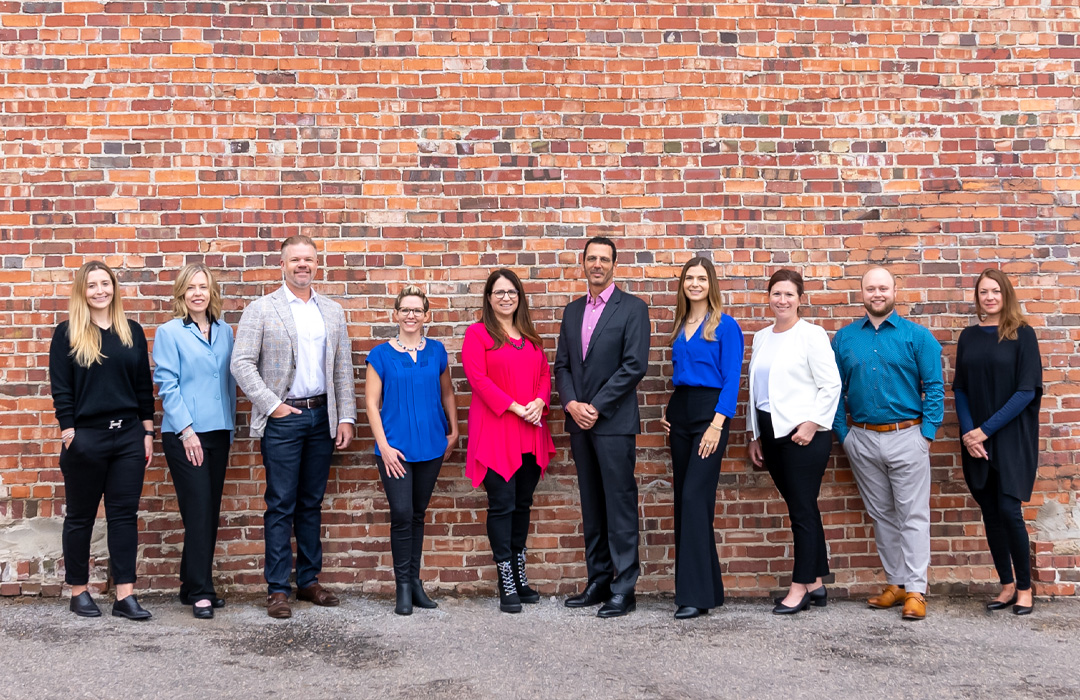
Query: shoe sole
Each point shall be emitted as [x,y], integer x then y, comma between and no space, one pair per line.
[87,614]
[605,615]
[510,608]
[530,600]
[129,617]
[913,618]
[884,607]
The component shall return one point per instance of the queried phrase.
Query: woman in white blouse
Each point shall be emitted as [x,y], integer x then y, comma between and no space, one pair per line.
[794,391]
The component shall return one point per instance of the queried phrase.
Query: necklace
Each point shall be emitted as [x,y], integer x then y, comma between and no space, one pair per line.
[519,344]
[406,348]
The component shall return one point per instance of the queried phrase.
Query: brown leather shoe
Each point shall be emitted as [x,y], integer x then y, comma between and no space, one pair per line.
[277,606]
[914,606]
[890,596]
[315,593]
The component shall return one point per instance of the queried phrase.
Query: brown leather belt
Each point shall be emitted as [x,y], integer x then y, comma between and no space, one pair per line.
[310,402]
[888,427]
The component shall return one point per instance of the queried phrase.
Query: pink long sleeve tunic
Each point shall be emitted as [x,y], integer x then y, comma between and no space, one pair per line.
[497,436]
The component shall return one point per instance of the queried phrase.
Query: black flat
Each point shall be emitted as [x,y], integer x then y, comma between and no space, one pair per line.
[1024,609]
[819,598]
[129,607]
[83,605]
[782,609]
[688,612]
[202,612]
[214,602]
[1001,605]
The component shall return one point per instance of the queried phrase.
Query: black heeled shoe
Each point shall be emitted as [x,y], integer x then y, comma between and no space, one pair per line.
[419,597]
[1002,604]
[83,605]
[404,599]
[202,612]
[689,612]
[129,607]
[819,598]
[782,609]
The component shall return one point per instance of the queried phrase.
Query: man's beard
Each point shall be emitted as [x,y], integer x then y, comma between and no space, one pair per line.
[884,313]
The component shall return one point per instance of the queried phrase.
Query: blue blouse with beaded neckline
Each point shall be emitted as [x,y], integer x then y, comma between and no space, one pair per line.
[412,412]
[716,364]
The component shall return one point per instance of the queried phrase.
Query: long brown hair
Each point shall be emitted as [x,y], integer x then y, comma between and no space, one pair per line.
[682,305]
[522,321]
[84,336]
[1012,317]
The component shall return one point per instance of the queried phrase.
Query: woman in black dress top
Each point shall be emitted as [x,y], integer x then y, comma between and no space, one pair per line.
[998,386]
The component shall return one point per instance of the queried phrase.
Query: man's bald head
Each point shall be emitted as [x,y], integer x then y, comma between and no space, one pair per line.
[878,292]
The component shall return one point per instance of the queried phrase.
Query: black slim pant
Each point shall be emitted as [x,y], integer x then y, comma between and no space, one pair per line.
[797,471]
[109,463]
[408,499]
[509,508]
[1006,531]
[198,493]
[698,580]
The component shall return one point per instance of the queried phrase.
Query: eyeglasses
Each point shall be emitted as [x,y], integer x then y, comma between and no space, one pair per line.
[505,294]
[411,312]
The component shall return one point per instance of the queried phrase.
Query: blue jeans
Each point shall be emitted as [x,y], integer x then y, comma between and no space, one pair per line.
[296,451]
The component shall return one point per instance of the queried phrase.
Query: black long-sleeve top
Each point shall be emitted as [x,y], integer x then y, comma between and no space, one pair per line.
[119,386]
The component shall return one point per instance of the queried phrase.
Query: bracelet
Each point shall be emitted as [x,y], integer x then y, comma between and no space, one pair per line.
[187,434]
[67,433]
[715,426]
[149,433]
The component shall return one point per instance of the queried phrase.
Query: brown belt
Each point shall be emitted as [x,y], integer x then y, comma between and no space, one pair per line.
[888,427]
[310,402]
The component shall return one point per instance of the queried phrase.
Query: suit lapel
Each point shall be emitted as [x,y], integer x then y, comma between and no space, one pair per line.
[575,314]
[609,311]
[329,343]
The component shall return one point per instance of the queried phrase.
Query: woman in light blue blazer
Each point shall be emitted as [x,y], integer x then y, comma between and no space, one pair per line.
[198,395]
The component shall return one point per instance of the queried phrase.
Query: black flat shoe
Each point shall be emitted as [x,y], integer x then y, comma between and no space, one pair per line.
[1024,609]
[129,607]
[618,604]
[594,594]
[782,609]
[1000,604]
[819,598]
[419,597]
[687,612]
[202,612]
[83,605]
[214,602]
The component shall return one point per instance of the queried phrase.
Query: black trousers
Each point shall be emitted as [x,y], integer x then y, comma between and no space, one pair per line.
[510,508]
[797,471]
[109,463]
[1006,531]
[609,507]
[198,493]
[408,498]
[698,581]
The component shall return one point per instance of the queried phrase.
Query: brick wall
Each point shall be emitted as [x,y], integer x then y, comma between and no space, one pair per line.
[434,141]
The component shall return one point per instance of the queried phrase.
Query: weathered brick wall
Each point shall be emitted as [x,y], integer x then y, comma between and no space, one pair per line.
[434,141]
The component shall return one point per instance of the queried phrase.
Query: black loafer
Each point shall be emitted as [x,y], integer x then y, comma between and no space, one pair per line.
[618,604]
[1002,604]
[202,612]
[129,607]
[83,605]
[214,602]
[594,594]
[687,612]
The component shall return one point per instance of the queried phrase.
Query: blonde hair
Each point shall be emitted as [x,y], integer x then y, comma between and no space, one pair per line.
[1012,317]
[411,290]
[84,336]
[682,305]
[180,309]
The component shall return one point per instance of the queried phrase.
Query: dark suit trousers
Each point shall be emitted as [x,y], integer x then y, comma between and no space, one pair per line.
[609,507]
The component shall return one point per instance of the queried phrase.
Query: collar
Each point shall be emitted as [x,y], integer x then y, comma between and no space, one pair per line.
[190,321]
[292,298]
[892,319]
[605,295]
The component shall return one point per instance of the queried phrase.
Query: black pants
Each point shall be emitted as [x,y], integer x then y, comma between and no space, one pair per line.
[198,493]
[797,471]
[609,507]
[1006,531]
[510,508]
[408,498]
[108,463]
[698,581]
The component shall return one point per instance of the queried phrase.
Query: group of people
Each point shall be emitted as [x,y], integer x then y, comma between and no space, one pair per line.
[877,386]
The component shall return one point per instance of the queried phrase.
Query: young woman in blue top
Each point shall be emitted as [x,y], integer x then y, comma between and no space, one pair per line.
[198,398]
[706,357]
[413,417]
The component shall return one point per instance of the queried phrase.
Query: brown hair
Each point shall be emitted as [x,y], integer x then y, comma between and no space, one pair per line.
[682,305]
[1012,317]
[183,279]
[522,321]
[786,275]
[298,239]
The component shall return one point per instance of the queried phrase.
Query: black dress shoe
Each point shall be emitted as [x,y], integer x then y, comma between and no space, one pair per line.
[617,605]
[687,612]
[419,597]
[202,612]
[594,594]
[782,609]
[819,598]
[214,602]
[83,605]
[1024,609]
[129,607]
[1002,604]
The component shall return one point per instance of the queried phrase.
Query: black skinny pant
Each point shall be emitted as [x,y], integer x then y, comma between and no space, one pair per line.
[698,580]
[408,498]
[509,508]
[198,493]
[109,463]
[1006,531]
[797,471]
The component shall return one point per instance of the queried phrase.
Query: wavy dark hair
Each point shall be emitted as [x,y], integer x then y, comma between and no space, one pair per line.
[1012,317]
[522,321]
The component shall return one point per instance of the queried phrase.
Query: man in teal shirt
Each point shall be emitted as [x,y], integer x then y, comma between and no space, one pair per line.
[892,389]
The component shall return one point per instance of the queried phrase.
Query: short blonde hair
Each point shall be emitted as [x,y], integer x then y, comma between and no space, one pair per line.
[411,290]
[180,309]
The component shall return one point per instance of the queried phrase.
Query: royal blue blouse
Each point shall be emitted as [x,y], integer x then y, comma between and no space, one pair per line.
[412,412]
[716,364]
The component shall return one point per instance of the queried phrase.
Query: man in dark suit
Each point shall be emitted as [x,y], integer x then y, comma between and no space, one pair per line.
[603,355]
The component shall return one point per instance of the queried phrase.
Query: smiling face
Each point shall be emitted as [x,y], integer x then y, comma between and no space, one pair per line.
[197,294]
[696,284]
[599,264]
[410,315]
[878,293]
[784,301]
[99,290]
[299,263]
[989,296]
[504,299]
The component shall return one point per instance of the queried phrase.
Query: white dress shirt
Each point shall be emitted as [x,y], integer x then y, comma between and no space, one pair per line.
[310,379]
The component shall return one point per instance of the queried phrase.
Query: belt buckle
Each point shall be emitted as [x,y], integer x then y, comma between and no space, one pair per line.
[114,424]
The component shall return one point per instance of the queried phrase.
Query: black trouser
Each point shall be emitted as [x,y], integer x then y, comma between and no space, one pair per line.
[698,581]
[509,507]
[408,498]
[609,507]
[1006,531]
[198,493]
[797,471]
[108,463]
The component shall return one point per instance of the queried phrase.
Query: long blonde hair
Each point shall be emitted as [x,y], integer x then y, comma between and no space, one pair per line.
[179,305]
[83,336]
[1012,317]
[682,306]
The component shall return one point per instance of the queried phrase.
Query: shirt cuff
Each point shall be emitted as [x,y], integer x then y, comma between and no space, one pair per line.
[929,430]
[350,421]
[271,411]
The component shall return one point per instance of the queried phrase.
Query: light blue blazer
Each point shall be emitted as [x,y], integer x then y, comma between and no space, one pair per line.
[193,377]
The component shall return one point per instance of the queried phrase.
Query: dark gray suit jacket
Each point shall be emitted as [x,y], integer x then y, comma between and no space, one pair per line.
[607,377]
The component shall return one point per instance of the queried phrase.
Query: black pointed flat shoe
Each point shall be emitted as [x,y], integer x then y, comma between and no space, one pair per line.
[83,605]
[129,607]
[1002,604]
[819,598]
[688,612]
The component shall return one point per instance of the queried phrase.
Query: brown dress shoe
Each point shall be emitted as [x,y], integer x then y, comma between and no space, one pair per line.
[315,593]
[914,606]
[890,596]
[277,606]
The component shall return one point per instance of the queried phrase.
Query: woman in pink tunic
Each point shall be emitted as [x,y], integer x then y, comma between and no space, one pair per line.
[509,440]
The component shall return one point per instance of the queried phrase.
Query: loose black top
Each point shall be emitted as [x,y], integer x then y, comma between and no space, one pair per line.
[990,372]
[120,386]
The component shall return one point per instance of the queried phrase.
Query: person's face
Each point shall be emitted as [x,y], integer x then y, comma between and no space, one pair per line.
[878,293]
[299,263]
[990,297]
[599,266]
[504,298]
[784,301]
[197,294]
[410,315]
[99,290]
[696,284]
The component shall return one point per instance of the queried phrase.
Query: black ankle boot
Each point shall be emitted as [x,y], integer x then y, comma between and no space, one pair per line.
[521,581]
[419,597]
[404,599]
[509,602]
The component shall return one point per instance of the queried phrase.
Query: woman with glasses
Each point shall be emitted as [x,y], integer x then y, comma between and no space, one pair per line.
[413,417]
[509,443]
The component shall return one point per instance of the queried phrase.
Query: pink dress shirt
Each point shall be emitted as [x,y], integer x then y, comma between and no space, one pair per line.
[594,308]
[498,437]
